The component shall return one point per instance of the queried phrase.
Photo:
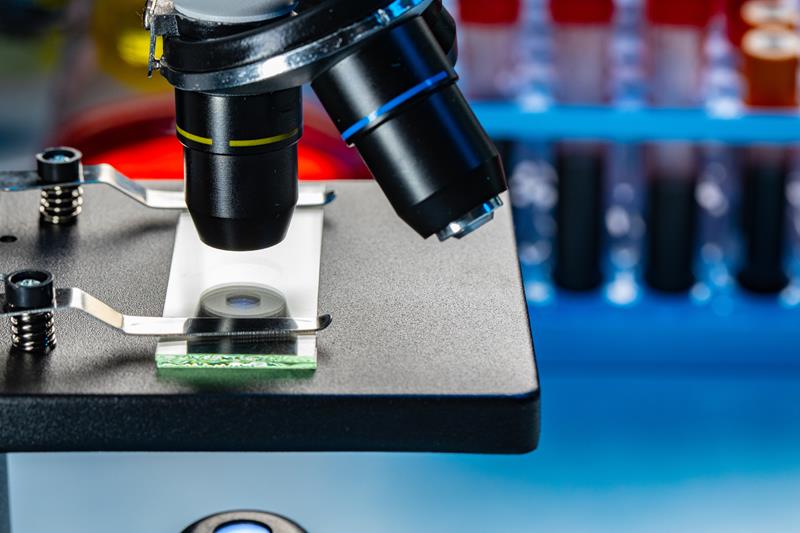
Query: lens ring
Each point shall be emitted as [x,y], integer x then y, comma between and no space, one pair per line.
[21,278]
[244,522]
[60,155]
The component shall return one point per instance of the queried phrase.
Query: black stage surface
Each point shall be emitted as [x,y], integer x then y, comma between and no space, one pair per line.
[429,350]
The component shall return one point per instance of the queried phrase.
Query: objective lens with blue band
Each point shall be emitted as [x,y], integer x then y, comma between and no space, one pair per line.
[396,100]
[428,85]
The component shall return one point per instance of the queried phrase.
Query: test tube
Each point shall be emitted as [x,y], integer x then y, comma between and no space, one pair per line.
[581,36]
[770,63]
[792,294]
[675,64]
[672,171]
[624,221]
[532,181]
[488,33]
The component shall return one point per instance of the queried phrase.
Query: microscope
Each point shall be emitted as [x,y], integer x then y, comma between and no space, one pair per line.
[384,72]
[427,347]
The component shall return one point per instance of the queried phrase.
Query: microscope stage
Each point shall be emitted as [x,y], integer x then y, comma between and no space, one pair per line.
[429,350]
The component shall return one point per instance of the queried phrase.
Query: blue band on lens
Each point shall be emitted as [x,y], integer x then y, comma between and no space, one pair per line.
[392,104]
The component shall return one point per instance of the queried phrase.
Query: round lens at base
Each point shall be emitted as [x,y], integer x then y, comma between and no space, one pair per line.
[243,527]
[239,300]
[243,301]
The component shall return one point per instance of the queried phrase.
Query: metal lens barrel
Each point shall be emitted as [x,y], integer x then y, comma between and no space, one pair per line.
[240,155]
[396,100]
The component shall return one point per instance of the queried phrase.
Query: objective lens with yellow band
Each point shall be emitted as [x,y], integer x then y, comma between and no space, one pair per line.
[237,146]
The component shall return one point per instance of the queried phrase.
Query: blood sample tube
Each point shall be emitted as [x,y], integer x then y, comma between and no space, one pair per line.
[675,62]
[770,62]
[624,220]
[672,170]
[532,180]
[487,41]
[675,59]
[581,35]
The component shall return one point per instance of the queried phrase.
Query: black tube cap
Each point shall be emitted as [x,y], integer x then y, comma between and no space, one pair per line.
[29,289]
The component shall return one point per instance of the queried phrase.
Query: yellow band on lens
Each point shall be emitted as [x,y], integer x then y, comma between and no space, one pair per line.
[263,141]
[193,137]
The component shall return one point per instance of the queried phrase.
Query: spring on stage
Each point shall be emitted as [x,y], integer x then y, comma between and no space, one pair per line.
[61,205]
[33,333]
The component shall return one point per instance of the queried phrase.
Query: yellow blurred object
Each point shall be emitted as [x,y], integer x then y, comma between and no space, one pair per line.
[133,48]
[123,45]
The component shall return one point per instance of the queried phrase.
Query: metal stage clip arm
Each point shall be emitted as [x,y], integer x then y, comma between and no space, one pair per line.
[74,298]
[27,180]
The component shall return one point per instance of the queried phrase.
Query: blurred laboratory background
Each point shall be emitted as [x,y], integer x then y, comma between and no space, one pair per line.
[652,154]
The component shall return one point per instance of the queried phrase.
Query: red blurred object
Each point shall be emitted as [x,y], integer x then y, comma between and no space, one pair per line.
[582,11]
[736,26]
[696,13]
[138,138]
[499,12]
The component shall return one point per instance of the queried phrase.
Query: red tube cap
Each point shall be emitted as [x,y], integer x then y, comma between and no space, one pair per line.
[735,25]
[582,11]
[681,12]
[499,12]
